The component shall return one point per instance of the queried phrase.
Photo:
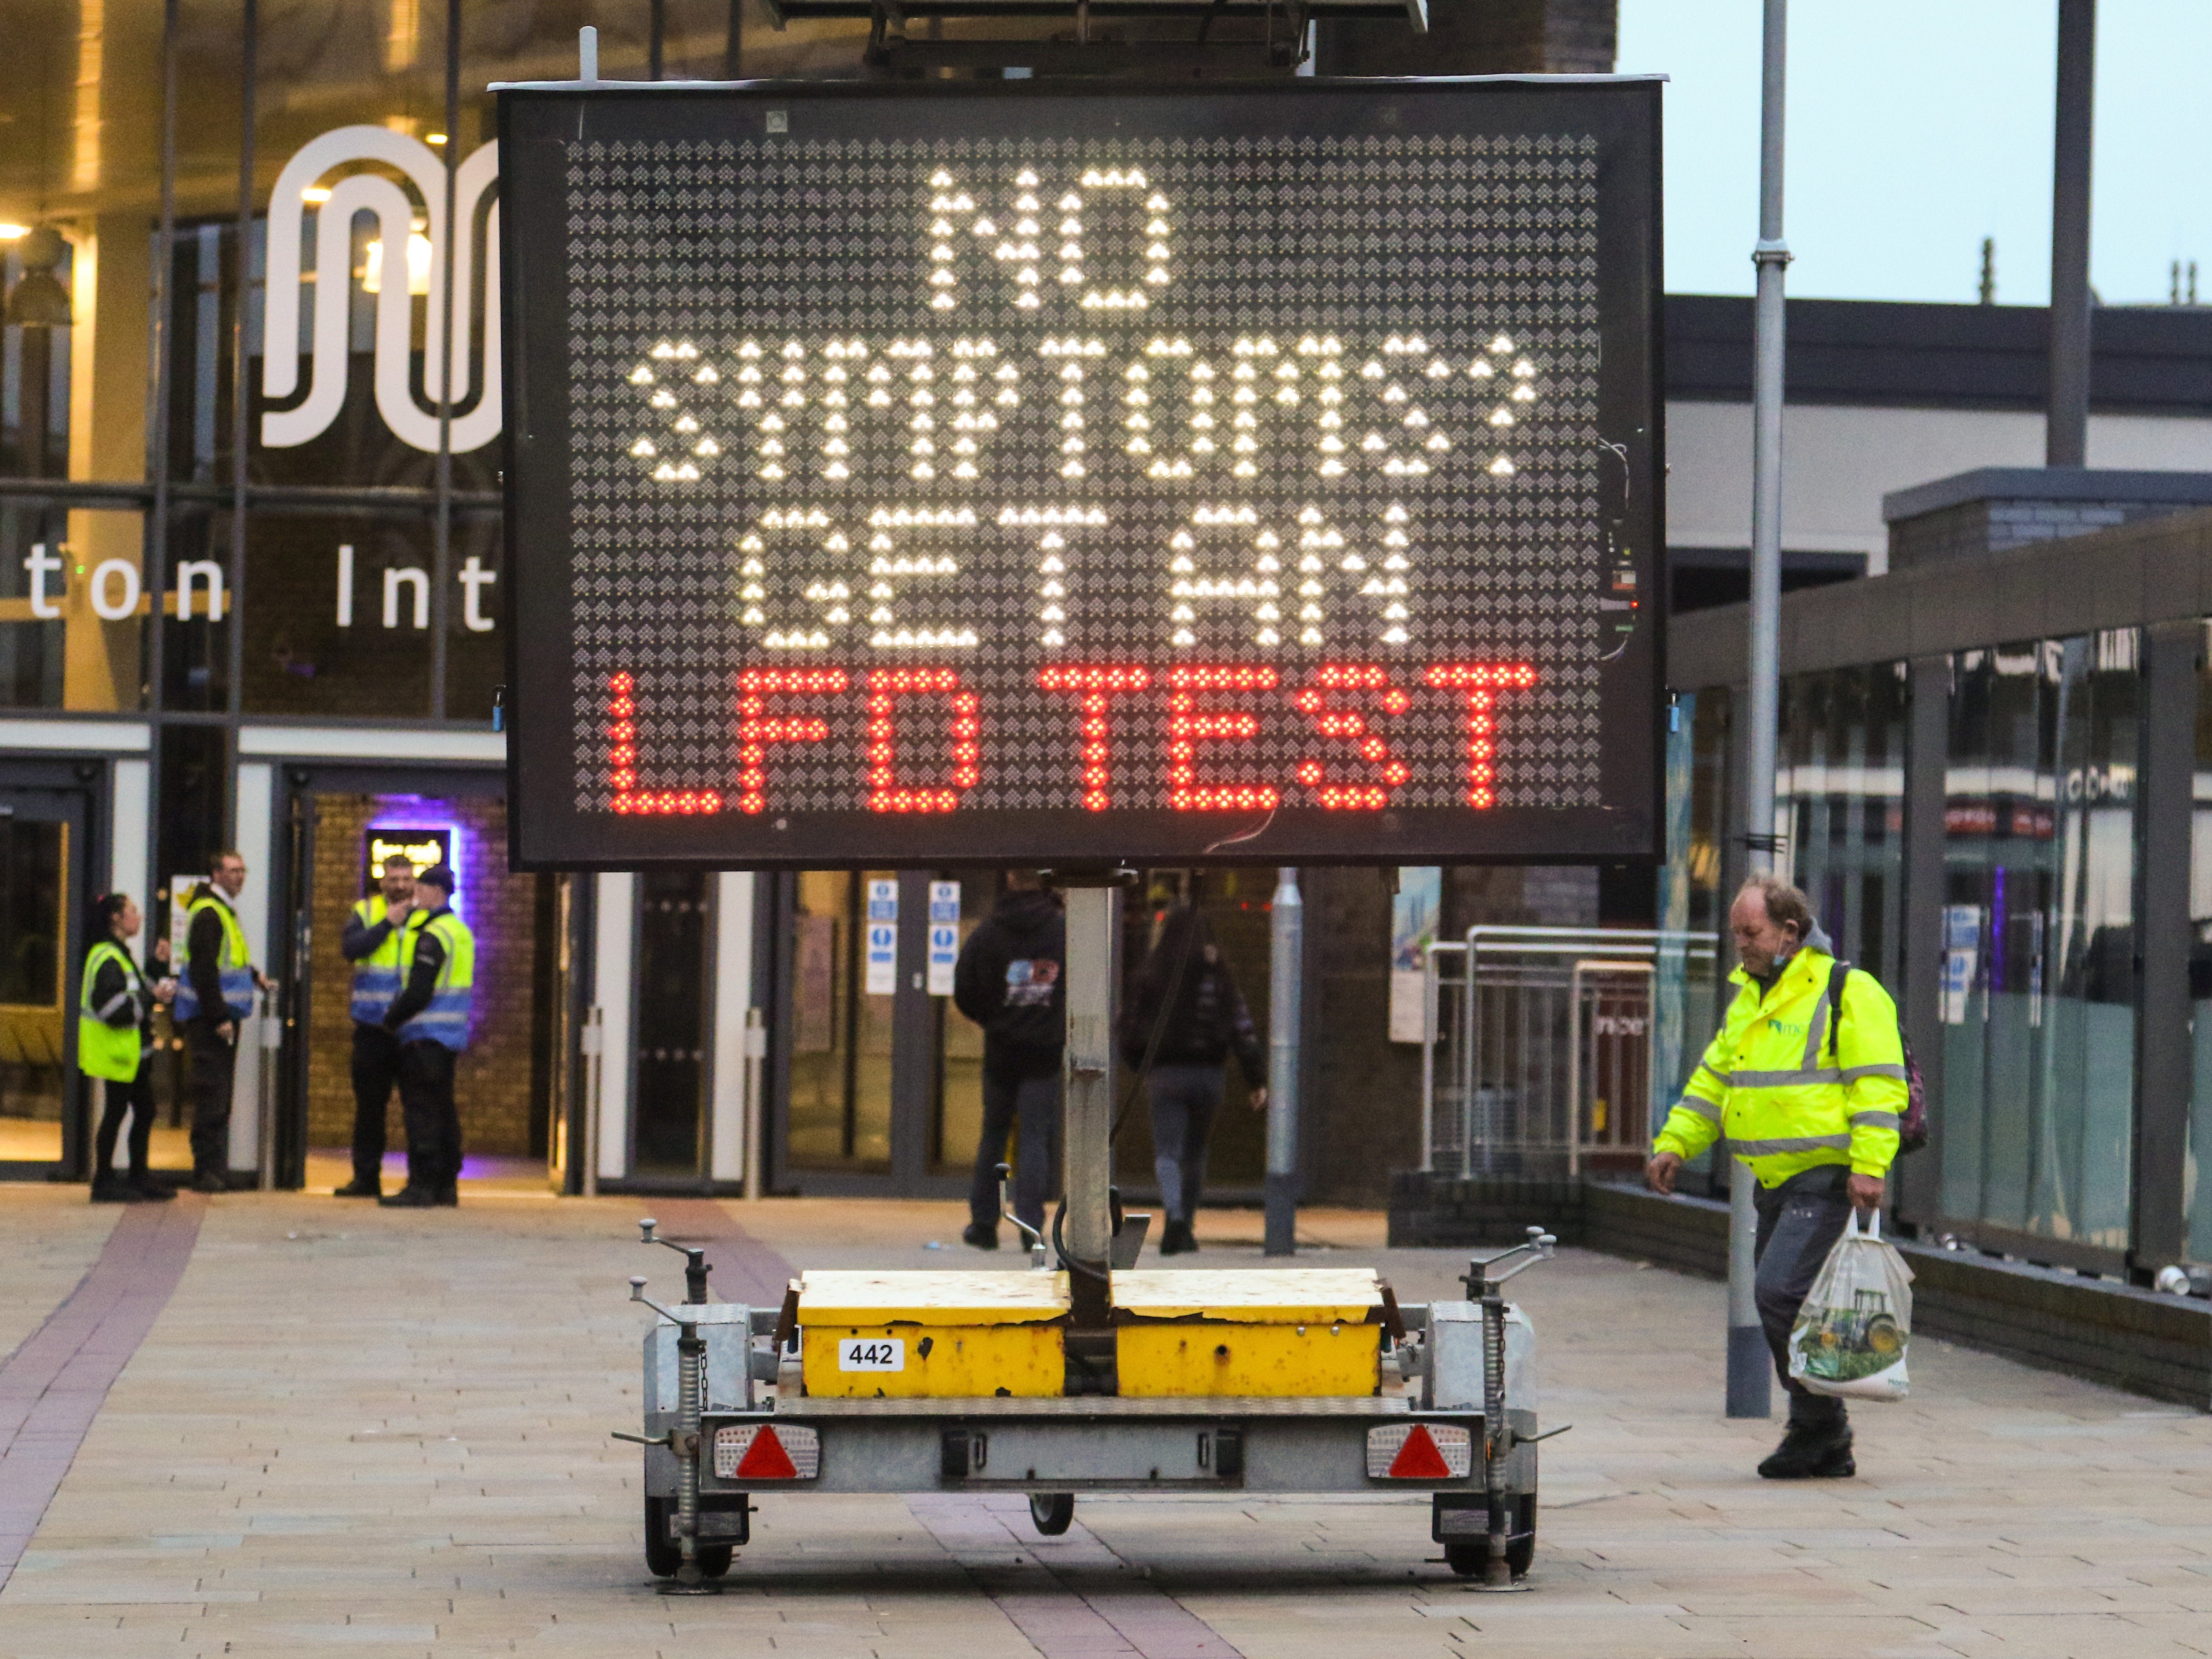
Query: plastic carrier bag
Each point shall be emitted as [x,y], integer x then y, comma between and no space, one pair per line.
[1850,1335]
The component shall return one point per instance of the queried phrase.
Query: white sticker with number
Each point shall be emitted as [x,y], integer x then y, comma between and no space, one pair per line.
[871,1354]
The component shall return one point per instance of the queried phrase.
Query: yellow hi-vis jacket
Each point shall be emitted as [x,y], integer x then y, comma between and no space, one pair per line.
[1786,1099]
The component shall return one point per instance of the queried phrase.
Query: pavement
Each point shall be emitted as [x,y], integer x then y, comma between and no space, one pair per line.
[386,1433]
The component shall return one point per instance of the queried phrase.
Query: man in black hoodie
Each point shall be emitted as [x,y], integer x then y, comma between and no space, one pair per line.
[1008,981]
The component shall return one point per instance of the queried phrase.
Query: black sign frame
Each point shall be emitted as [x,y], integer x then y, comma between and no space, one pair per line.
[552,831]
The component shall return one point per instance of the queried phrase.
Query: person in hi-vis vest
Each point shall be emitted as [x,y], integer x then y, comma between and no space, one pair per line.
[114,1038]
[215,995]
[372,944]
[438,968]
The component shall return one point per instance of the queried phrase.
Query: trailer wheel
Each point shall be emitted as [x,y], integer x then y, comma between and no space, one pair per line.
[663,1556]
[1054,1512]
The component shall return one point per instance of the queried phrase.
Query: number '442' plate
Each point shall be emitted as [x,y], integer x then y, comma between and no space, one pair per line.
[871,1354]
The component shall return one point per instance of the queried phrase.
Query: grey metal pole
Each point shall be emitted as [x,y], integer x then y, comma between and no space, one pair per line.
[1286,936]
[2066,428]
[1094,931]
[1750,1382]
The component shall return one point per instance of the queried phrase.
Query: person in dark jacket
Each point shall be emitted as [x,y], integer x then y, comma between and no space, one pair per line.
[1186,991]
[371,942]
[115,1041]
[215,998]
[430,1018]
[1008,981]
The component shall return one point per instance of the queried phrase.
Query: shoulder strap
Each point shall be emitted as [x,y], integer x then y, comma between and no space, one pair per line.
[1840,972]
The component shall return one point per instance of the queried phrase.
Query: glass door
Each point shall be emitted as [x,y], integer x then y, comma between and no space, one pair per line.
[42,895]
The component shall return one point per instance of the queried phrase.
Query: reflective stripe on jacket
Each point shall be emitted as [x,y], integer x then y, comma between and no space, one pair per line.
[105,1050]
[1787,1100]
[233,966]
[376,976]
[447,1020]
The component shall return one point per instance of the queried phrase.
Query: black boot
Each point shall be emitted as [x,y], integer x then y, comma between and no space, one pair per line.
[1818,1449]
[151,1191]
[112,1188]
[410,1198]
[449,1196]
[1176,1239]
[360,1187]
[980,1237]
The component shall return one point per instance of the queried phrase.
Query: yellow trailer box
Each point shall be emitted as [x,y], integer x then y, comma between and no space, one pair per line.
[933,1335]
[1289,1332]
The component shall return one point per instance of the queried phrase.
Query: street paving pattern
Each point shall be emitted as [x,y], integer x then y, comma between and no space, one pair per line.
[387,1432]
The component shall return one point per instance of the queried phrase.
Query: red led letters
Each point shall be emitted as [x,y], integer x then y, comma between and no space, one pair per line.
[1188,726]
[1096,685]
[1349,726]
[886,687]
[757,729]
[622,761]
[1340,702]
[1478,682]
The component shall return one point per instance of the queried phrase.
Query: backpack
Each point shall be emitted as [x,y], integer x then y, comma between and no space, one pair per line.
[1912,1122]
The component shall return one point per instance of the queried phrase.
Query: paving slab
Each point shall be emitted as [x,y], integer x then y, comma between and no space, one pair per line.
[385,1433]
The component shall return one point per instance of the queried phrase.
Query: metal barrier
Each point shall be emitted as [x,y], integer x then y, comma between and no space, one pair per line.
[1537,1049]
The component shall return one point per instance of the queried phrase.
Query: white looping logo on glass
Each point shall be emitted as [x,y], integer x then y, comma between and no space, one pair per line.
[412,218]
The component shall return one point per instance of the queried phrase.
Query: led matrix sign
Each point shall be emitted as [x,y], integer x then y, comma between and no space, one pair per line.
[911,473]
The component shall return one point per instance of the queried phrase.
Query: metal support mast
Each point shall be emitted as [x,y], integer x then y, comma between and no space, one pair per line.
[1750,1383]
[1286,983]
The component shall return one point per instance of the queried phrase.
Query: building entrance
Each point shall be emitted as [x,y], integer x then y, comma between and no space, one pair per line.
[43,890]
[334,825]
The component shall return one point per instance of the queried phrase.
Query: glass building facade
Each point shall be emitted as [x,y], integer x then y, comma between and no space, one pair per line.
[1997,831]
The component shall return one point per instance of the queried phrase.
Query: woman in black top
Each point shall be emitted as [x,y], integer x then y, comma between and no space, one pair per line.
[1186,1011]
[120,997]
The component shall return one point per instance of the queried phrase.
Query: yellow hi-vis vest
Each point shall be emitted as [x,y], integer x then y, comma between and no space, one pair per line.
[104,1050]
[1788,1099]
[233,966]
[376,979]
[447,1019]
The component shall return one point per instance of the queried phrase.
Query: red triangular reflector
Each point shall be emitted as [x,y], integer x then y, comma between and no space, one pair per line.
[1419,1458]
[766,1460]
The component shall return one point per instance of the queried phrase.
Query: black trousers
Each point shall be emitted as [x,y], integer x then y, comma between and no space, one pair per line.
[1015,1095]
[434,1122]
[1799,1222]
[214,1063]
[137,1098]
[375,1075]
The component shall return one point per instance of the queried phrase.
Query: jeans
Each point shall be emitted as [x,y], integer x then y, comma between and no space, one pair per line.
[136,1097]
[214,1063]
[1011,1095]
[1799,1222]
[1184,1099]
[375,1073]
[434,1123]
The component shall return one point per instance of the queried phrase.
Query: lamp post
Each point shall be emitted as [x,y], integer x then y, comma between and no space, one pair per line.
[1750,1382]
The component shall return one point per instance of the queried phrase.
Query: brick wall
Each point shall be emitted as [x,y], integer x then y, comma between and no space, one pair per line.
[493,1083]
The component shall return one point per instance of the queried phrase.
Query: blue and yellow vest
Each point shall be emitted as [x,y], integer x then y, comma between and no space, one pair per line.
[447,1019]
[376,979]
[233,966]
[104,1050]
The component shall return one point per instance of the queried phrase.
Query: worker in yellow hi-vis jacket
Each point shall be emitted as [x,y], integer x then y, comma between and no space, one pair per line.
[1809,1096]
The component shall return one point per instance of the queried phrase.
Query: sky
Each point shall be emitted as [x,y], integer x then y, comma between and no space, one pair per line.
[1917,128]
